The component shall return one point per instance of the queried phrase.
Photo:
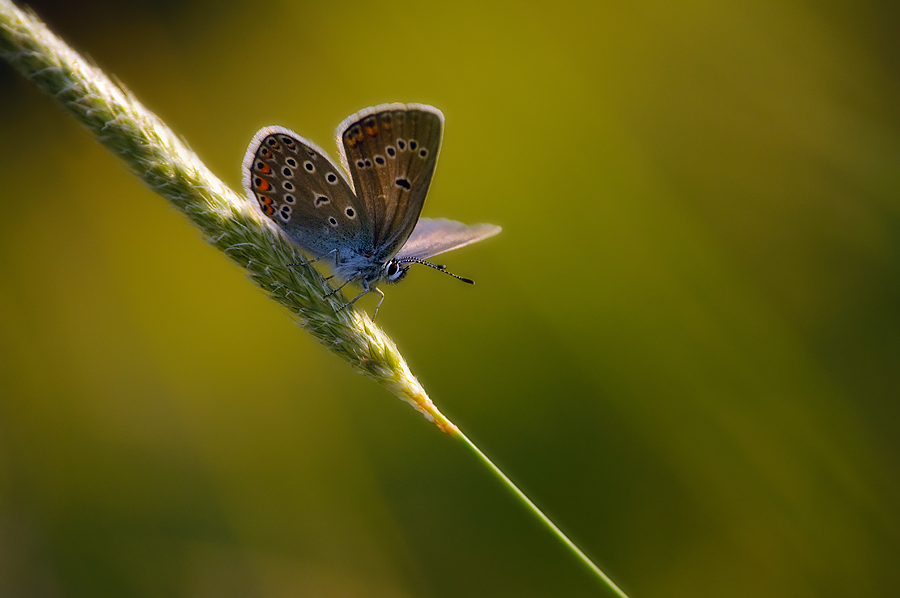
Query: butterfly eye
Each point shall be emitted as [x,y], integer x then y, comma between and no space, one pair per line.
[394,271]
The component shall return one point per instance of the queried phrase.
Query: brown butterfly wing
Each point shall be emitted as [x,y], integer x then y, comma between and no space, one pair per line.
[304,192]
[390,152]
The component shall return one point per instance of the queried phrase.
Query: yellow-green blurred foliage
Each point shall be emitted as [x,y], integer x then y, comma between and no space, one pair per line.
[685,345]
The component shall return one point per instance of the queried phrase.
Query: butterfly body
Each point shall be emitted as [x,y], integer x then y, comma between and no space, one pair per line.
[367,267]
[369,225]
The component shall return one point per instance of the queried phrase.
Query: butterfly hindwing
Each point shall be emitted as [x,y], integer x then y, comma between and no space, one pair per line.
[390,152]
[434,236]
[297,186]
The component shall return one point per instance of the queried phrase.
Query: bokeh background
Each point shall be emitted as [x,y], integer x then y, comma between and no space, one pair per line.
[685,345]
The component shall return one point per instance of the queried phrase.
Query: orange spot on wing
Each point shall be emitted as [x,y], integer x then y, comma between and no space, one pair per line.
[267,204]
[265,169]
[372,130]
[264,185]
[354,136]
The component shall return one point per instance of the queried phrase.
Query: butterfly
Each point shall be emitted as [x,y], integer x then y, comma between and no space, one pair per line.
[367,225]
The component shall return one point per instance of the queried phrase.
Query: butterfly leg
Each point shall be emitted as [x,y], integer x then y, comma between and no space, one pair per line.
[341,287]
[380,301]
[352,301]
[308,262]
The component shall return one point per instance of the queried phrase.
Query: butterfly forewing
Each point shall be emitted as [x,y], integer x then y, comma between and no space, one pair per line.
[301,190]
[390,152]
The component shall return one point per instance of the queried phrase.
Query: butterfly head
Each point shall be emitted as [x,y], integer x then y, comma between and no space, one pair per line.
[394,271]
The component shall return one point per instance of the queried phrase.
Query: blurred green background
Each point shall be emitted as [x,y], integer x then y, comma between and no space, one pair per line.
[685,345]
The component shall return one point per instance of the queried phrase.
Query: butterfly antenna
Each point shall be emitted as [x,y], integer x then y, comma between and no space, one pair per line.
[440,268]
